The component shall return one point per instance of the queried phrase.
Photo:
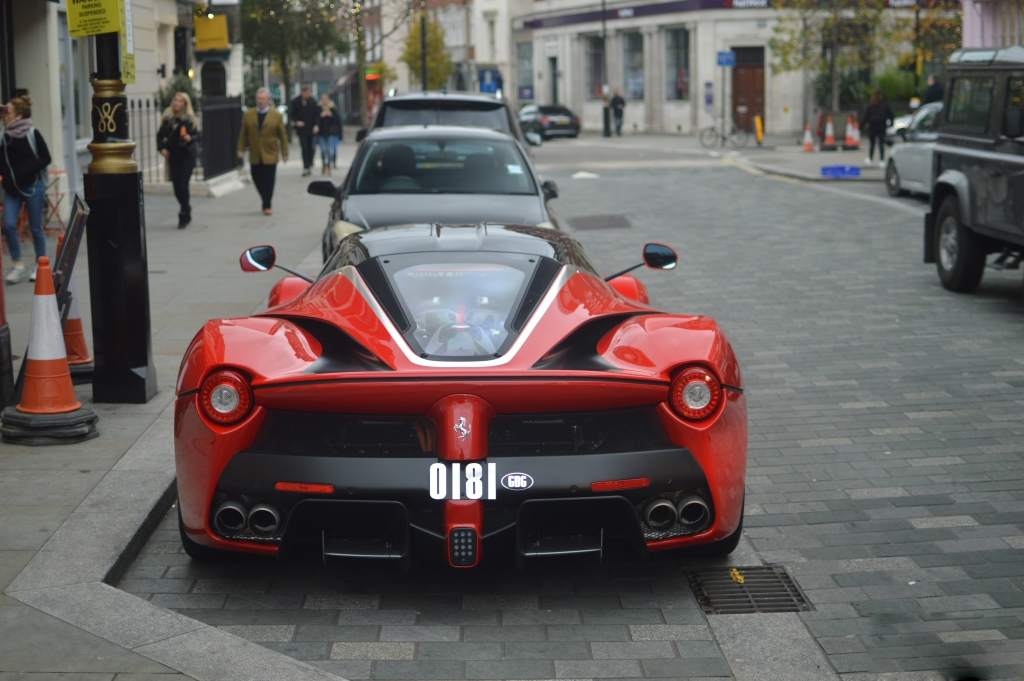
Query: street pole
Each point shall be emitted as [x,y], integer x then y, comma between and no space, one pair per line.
[118,269]
[606,130]
[6,357]
[725,127]
[423,45]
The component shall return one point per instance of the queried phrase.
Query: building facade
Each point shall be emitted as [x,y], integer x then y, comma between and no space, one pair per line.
[662,57]
[993,23]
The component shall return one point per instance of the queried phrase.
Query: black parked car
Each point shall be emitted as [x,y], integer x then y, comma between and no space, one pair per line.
[549,121]
[447,108]
[441,174]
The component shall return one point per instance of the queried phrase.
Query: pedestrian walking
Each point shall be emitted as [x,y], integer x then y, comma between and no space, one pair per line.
[876,118]
[934,91]
[176,141]
[303,115]
[328,129]
[618,104]
[263,130]
[23,160]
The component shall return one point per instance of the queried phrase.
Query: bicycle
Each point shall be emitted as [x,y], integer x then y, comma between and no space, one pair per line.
[721,130]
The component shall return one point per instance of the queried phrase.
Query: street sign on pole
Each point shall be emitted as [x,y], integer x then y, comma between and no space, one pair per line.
[727,59]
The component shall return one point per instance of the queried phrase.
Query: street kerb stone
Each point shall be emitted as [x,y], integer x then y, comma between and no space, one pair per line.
[770,646]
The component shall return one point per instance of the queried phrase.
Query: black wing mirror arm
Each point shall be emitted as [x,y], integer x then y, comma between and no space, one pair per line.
[625,271]
[289,270]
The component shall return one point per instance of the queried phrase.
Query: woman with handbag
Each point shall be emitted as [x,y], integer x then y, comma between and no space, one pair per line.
[176,140]
[23,160]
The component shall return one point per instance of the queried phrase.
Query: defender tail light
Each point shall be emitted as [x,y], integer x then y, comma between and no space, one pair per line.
[695,393]
[226,396]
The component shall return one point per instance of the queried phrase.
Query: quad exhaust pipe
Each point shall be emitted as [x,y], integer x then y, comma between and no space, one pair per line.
[230,517]
[691,513]
[264,520]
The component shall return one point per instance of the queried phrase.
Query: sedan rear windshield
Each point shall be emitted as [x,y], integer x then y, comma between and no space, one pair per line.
[439,166]
[555,111]
[446,112]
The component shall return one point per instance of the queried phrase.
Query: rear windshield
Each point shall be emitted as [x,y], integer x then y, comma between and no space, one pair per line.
[446,112]
[555,111]
[439,166]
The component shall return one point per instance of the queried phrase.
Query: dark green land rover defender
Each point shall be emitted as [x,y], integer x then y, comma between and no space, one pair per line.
[977,203]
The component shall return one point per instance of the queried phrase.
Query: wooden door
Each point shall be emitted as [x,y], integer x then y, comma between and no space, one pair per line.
[748,86]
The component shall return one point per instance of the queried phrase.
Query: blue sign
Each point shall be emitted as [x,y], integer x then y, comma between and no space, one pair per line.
[525,93]
[727,59]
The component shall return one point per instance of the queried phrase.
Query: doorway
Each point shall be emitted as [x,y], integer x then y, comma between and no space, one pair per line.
[553,62]
[214,80]
[748,86]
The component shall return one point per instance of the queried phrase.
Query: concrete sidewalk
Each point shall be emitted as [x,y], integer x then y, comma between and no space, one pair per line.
[71,515]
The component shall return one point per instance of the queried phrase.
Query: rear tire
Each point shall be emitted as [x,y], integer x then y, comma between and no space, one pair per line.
[194,550]
[892,180]
[738,137]
[708,137]
[960,255]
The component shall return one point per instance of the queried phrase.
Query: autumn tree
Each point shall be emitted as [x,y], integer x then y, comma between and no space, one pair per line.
[439,61]
[933,29]
[290,32]
[827,36]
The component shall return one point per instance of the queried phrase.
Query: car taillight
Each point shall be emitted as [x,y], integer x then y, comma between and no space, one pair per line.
[226,396]
[695,393]
[575,120]
[544,120]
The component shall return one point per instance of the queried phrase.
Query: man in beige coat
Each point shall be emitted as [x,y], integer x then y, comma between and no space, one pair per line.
[262,130]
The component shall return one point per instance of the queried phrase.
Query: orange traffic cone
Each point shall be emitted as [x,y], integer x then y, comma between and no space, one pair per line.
[79,361]
[830,134]
[48,412]
[808,140]
[851,134]
[856,131]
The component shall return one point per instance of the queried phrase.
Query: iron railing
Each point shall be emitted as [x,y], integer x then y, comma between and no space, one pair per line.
[222,123]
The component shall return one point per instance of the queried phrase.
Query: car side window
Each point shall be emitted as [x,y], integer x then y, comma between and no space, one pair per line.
[970,103]
[1015,93]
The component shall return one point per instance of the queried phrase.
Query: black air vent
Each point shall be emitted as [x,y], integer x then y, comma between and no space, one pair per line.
[593,432]
[315,434]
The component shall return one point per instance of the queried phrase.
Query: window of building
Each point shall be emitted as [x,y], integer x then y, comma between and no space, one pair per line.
[594,76]
[633,65]
[524,70]
[491,47]
[970,102]
[677,64]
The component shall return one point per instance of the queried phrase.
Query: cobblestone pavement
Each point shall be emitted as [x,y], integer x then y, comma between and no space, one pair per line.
[885,471]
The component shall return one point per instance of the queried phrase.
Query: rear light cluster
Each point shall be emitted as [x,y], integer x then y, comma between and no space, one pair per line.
[695,393]
[226,396]
[544,120]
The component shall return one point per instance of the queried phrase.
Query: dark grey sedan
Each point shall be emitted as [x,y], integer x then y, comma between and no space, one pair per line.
[440,174]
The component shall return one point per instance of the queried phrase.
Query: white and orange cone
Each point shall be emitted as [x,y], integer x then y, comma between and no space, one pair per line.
[808,140]
[856,131]
[48,412]
[851,134]
[830,133]
[79,361]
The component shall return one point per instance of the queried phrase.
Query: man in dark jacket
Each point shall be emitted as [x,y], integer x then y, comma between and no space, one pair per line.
[618,105]
[303,116]
[934,91]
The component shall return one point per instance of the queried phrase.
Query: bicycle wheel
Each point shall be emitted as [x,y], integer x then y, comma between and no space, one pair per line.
[738,137]
[708,137]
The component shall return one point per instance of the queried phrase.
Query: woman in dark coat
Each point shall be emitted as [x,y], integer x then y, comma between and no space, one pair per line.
[328,132]
[23,160]
[876,118]
[176,140]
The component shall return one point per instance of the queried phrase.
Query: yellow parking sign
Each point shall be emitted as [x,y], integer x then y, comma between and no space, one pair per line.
[92,17]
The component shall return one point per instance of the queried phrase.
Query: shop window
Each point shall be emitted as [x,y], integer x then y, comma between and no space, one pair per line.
[633,65]
[677,64]
[594,76]
[524,70]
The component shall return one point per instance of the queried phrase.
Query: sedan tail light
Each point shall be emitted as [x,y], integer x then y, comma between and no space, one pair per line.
[575,119]
[695,393]
[226,396]
[544,120]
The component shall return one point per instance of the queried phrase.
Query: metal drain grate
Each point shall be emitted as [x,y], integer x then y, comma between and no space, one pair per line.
[599,222]
[741,590]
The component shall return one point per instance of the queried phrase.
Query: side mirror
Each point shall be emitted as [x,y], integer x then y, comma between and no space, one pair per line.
[550,189]
[258,259]
[323,188]
[360,134]
[534,139]
[902,132]
[660,256]
[1013,123]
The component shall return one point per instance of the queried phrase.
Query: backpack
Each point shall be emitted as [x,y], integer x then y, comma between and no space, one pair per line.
[31,137]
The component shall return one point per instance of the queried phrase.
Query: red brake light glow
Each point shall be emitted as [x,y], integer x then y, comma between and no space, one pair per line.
[545,120]
[612,485]
[304,487]
[226,396]
[695,394]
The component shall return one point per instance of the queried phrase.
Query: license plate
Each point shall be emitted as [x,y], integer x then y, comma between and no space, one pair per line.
[560,119]
[459,480]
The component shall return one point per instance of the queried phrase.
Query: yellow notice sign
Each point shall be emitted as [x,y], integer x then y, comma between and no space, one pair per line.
[211,33]
[127,43]
[92,17]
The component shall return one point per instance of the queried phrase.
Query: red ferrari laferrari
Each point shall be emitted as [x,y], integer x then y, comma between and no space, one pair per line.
[463,386]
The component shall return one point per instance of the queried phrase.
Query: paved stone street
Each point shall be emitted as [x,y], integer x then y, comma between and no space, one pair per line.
[885,467]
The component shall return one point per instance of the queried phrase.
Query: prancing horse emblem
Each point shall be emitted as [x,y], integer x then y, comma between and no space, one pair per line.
[462,428]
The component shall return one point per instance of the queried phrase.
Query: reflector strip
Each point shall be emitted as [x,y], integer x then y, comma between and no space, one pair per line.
[611,485]
[304,487]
